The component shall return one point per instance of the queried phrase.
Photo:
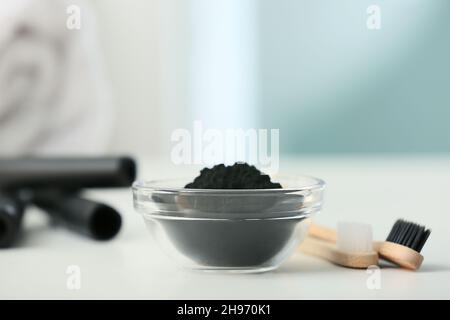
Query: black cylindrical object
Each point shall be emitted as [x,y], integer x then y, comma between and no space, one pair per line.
[66,173]
[94,219]
[11,214]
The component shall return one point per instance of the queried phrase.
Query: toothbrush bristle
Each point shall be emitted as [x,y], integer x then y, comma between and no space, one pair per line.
[354,237]
[409,234]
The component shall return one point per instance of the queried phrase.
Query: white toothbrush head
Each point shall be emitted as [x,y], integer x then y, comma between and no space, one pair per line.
[354,237]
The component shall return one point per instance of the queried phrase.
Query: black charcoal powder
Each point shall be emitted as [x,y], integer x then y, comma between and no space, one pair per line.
[238,176]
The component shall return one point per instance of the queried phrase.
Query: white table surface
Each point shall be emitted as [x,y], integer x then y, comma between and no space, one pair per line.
[376,190]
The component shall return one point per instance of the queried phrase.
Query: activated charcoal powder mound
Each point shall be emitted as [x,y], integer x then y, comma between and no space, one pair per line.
[237,176]
[242,229]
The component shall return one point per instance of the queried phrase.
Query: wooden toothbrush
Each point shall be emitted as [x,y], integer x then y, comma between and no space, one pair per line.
[402,246]
[343,251]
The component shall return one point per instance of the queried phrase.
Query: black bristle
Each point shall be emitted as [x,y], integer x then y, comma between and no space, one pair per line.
[410,237]
[417,236]
[394,229]
[409,234]
[398,234]
[423,240]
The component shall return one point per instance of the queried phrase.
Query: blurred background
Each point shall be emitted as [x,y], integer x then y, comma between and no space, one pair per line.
[367,110]
[136,70]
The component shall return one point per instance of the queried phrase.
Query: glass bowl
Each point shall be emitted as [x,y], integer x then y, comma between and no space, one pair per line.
[237,230]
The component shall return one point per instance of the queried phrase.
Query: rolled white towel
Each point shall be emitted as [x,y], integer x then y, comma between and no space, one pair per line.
[53,98]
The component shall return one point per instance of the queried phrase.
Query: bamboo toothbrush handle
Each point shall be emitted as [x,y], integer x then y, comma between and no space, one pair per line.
[328,251]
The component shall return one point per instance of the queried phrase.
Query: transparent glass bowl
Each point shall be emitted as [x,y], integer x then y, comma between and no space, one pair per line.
[242,230]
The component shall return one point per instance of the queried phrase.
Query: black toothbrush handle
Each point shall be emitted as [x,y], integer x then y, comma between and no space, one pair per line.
[93,219]
[11,216]
[66,173]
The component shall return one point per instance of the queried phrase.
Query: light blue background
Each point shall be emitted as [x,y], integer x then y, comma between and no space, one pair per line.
[332,85]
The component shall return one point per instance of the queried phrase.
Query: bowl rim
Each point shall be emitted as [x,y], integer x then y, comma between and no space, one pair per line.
[158,186]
